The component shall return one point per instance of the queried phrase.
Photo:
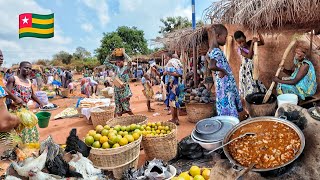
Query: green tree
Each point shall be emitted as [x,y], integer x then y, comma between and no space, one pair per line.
[131,39]
[173,23]
[63,56]
[43,62]
[81,53]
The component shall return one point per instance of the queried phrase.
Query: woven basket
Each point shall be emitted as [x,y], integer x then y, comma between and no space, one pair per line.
[65,93]
[118,171]
[199,111]
[100,118]
[164,147]
[117,159]
[128,120]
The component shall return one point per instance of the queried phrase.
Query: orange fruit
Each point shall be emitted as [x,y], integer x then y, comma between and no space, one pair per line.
[97,137]
[105,145]
[123,142]
[103,139]
[135,136]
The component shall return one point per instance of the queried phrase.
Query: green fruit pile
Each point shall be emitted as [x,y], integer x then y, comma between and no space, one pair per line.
[155,129]
[112,137]
[194,173]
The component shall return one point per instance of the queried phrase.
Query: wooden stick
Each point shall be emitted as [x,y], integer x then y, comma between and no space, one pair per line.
[256,72]
[228,50]
[284,57]
[311,42]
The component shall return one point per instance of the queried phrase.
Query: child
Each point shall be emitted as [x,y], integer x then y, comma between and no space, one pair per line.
[85,87]
[147,91]
[228,101]
[246,82]
[71,87]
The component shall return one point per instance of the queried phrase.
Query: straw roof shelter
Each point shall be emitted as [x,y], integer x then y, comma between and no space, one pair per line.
[267,15]
[184,39]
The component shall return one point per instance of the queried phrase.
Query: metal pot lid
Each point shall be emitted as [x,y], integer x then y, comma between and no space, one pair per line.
[208,126]
[226,126]
[197,138]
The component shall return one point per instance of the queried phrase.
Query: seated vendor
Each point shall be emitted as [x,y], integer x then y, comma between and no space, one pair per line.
[302,81]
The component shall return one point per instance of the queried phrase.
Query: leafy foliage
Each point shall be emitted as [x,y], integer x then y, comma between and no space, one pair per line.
[63,56]
[173,23]
[129,38]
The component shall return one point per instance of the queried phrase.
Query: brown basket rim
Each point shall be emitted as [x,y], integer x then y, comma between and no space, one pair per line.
[118,149]
[125,117]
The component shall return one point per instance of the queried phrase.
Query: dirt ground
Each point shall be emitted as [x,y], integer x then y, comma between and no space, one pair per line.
[59,129]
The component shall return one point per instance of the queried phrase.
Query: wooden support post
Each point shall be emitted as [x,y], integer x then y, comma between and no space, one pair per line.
[228,47]
[255,60]
[311,42]
[194,67]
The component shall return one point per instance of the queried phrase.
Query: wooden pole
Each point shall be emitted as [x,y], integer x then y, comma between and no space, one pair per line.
[256,72]
[194,67]
[284,57]
[228,48]
[311,42]
[184,59]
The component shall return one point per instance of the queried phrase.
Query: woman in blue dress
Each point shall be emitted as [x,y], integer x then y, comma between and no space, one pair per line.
[302,81]
[228,101]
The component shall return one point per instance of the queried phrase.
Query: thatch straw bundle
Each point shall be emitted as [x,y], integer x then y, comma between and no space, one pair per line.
[267,15]
[184,38]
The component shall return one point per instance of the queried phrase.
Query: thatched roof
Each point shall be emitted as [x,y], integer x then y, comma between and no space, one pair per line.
[267,15]
[183,38]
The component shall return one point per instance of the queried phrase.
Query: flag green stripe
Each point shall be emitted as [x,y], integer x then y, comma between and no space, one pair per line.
[40,16]
[22,35]
[42,26]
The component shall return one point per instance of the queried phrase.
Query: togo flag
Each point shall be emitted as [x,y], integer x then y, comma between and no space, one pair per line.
[36,25]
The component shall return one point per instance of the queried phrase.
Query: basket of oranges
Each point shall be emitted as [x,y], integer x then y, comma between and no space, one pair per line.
[114,148]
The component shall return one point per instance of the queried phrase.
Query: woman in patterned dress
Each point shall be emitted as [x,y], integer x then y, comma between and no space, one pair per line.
[122,94]
[228,101]
[21,87]
[302,80]
[247,84]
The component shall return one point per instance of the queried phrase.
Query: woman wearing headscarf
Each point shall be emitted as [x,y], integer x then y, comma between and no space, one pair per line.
[123,92]
[302,80]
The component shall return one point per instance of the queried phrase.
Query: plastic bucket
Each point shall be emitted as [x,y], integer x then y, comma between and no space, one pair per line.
[43,119]
[287,99]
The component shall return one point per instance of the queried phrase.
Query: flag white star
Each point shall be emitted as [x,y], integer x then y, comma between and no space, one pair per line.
[25,20]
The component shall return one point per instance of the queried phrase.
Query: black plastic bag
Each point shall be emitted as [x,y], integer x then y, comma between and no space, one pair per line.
[188,149]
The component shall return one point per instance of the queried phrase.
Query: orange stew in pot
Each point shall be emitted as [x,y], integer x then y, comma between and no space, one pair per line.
[273,144]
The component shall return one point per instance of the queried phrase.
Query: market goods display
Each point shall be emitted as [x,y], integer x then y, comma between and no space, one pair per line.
[68,112]
[158,144]
[50,93]
[90,102]
[49,107]
[195,173]
[155,129]
[273,144]
[155,169]
[27,118]
[199,95]
[106,137]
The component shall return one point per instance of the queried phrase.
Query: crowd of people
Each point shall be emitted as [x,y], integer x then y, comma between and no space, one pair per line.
[301,80]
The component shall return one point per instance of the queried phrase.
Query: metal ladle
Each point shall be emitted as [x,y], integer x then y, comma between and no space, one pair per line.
[241,136]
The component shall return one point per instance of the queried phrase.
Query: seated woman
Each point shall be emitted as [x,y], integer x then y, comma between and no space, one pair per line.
[302,81]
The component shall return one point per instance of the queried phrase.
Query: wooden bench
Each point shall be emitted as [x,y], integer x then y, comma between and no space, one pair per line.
[309,100]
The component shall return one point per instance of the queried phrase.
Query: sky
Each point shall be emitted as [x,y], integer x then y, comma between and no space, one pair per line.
[82,23]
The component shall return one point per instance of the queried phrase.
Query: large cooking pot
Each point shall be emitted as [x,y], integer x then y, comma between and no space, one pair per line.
[237,166]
